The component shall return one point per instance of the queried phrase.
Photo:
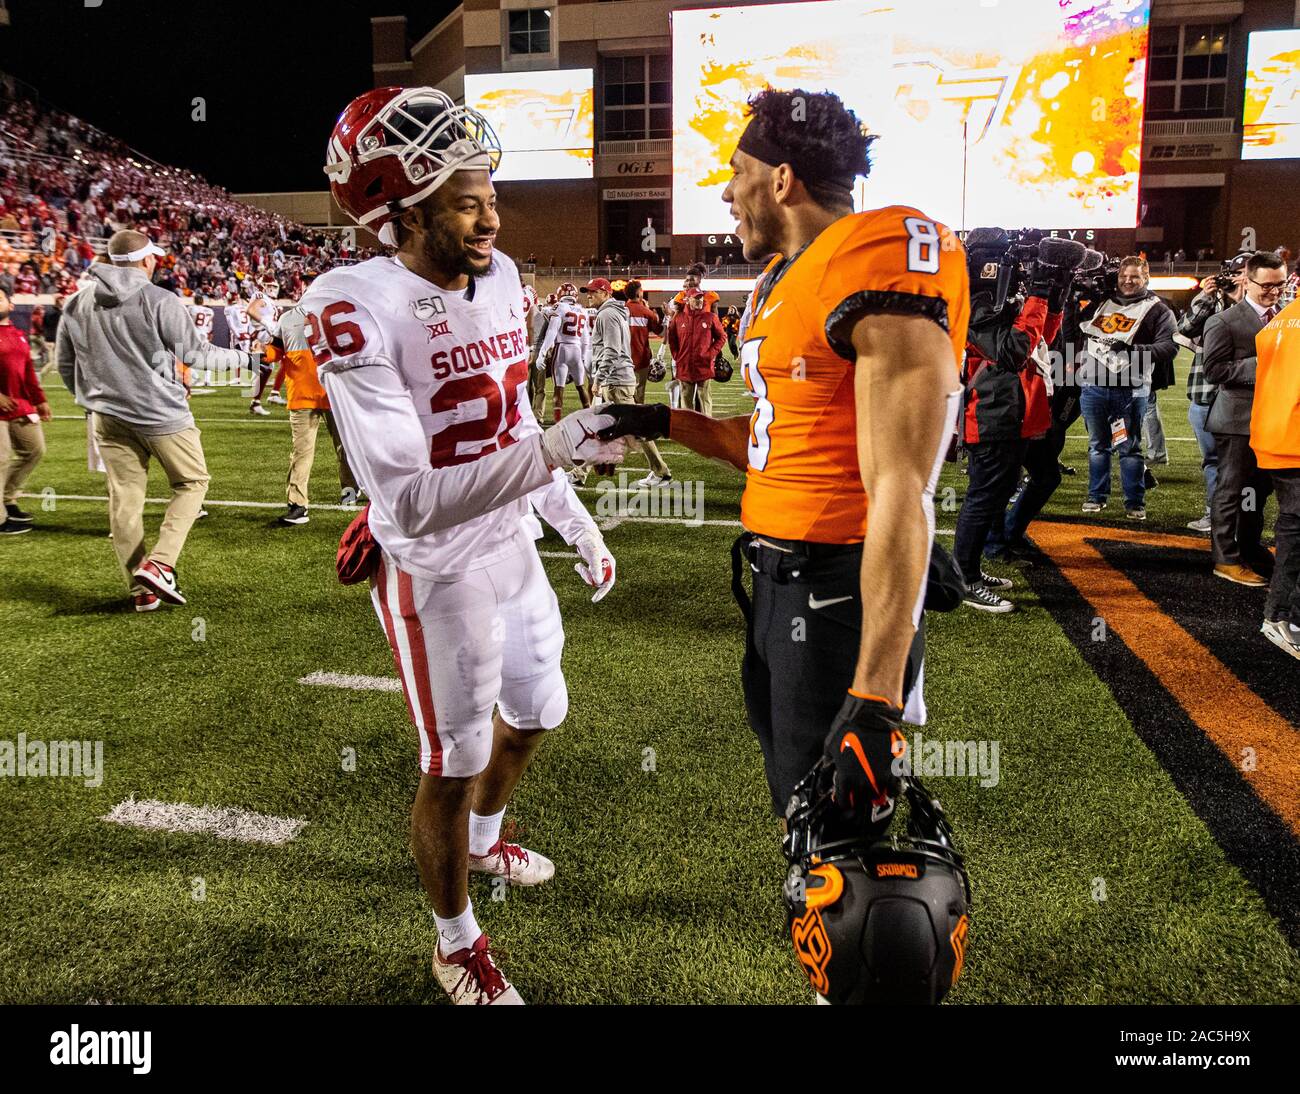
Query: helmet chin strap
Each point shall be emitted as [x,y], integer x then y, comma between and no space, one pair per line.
[477,160]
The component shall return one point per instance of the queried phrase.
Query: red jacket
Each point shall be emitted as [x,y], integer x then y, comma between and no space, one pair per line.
[695,338]
[642,322]
[1006,396]
[17,376]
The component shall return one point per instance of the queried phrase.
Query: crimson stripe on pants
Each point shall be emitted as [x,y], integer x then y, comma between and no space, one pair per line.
[414,675]
[419,668]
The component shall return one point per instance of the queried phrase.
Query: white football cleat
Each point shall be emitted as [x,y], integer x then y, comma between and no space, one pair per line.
[652,480]
[275,397]
[258,408]
[471,977]
[516,864]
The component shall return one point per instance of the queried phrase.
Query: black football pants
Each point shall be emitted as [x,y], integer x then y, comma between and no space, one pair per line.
[803,631]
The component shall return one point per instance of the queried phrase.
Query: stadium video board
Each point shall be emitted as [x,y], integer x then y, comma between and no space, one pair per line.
[1008,112]
[1271,117]
[544,120]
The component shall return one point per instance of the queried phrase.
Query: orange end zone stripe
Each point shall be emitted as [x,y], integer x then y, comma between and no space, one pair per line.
[1223,707]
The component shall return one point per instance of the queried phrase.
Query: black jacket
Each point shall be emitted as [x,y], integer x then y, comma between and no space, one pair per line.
[1228,353]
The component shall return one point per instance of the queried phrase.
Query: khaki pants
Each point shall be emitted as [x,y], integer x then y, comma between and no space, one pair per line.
[626,393]
[126,453]
[697,397]
[303,425]
[22,444]
[642,375]
[537,389]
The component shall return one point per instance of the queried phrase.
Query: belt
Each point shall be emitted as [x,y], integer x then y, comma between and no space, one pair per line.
[781,559]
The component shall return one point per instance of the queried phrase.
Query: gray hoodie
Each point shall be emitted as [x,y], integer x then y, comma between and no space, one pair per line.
[118,345]
[611,345]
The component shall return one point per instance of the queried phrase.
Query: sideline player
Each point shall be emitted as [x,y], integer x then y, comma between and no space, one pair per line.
[539,318]
[204,318]
[263,330]
[240,334]
[569,335]
[424,357]
[856,334]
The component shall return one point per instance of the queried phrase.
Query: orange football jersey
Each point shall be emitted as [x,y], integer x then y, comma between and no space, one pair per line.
[798,362]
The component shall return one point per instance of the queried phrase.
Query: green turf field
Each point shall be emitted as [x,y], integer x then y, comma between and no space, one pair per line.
[668,880]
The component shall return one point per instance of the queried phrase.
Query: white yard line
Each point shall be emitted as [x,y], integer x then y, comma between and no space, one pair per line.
[206,502]
[665,444]
[221,821]
[353,509]
[354,683]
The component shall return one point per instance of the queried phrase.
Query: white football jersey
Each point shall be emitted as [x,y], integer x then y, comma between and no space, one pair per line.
[241,332]
[262,319]
[570,325]
[530,310]
[203,319]
[406,363]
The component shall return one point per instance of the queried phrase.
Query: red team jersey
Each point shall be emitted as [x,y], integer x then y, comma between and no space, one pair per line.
[803,481]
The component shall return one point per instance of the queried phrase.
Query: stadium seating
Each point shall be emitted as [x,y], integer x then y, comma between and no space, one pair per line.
[65,187]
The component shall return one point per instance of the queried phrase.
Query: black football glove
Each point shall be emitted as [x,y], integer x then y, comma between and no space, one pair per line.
[647,421]
[865,740]
[1054,268]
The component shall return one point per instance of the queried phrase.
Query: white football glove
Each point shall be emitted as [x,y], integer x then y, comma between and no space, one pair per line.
[572,441]
[597,565]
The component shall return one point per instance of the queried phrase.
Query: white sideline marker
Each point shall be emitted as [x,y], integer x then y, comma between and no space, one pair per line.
[224,822]
[348,680]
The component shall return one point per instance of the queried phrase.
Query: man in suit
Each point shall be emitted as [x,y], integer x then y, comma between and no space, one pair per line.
[1237,509]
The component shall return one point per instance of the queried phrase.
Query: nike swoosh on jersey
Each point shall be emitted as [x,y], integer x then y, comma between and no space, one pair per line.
[769,311]
[816,604]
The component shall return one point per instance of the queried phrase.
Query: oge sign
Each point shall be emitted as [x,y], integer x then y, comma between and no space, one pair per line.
[637,167]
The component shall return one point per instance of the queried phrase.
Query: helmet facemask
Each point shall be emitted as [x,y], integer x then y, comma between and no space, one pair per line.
[430,135]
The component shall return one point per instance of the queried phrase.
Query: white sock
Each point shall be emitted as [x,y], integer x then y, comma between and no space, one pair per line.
[457,933]
[484,832]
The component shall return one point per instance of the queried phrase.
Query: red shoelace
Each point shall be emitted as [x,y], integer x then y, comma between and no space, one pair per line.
[481,971]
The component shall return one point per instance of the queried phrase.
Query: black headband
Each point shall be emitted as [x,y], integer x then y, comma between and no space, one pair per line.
[808,171]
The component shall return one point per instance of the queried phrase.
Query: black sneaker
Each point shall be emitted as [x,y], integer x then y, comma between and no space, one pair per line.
[1149,480]
[14,528]
[17,515]
[991,582]
[1065,468]
[294,515]
[983,598]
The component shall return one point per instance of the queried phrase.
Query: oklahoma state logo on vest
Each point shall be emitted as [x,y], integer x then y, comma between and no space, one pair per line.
[1115,323]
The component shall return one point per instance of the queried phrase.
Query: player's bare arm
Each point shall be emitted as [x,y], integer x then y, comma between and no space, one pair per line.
[905,389]
[723,439]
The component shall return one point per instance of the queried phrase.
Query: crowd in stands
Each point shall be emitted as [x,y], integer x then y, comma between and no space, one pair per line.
[65,186]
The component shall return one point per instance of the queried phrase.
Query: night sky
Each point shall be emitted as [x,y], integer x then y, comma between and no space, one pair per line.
[274,73]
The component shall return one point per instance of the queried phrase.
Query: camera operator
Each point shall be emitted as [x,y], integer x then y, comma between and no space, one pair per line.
[1043,467]
[1218,292]
[1008,384]
[1130,339]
